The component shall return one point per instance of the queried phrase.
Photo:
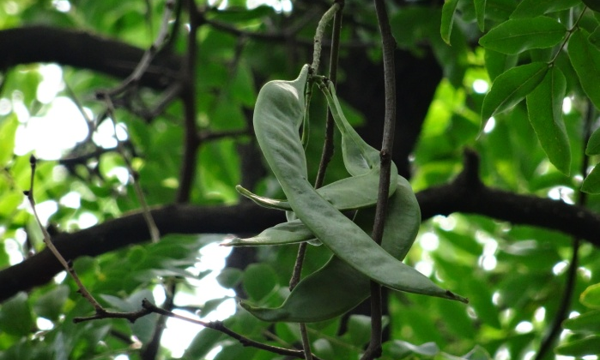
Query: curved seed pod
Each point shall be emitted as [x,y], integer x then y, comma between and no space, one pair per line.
[359,157]
[351,193]
[337,288]
[277,117]
[263,201]
[291,232]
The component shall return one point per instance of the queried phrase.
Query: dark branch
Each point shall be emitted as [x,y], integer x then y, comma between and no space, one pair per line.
[466,194]
[83,50]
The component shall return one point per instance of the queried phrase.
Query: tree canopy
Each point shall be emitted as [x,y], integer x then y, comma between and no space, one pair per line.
[134,134]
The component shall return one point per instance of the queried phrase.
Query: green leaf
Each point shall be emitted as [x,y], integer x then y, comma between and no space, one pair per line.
[511,87]
[448,11]
[590,297]
[50,304]
[592,4]
[497,63]
[532,8]
[337,288]
[517,35]
[15,317]
[593,145]
[594,38]
[480,11]
[359,329]
[586,346]
[586,62]
[259,280]
[8,129]
[291,232]
[544,107]
[591,184]
[203,343]
[230,277]
[477,353]
[399,349]
[586,323]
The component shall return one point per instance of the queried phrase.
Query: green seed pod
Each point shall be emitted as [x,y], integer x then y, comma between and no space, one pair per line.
[278,115]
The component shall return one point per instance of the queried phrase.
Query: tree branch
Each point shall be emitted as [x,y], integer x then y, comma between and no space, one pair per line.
[466,194]
[84,50]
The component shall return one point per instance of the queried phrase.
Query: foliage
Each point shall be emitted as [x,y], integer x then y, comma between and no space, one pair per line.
[184,141]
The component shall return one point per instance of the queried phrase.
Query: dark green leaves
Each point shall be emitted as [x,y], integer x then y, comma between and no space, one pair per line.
[16,317]
[593,145]
[517,35]
[592,4]
[586,61]
[480,12]
[586,346]
[532,8]
[591,296]
[511,87]
[586,324]
[544,106]
[448,11]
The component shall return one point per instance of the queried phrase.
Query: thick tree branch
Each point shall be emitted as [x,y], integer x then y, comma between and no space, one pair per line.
[466,194]
[84,50]
[132,229]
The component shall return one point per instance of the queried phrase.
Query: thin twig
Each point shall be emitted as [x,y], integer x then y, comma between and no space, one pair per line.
[318,40]
[48,241]
[152,228]
[188,97]
[217,135]
[565,303]
[283,37]
[388,47]
[219,326]
[149,55]
[327,151]
[152,347]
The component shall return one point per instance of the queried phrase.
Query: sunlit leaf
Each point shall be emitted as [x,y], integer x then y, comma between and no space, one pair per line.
[8,129]
[511,87]
[532,8]
[591,184]
[591,296]
[586,323]
[544,107]
[517,35]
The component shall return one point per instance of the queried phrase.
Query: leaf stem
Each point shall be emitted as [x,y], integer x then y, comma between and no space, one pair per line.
[569,33]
